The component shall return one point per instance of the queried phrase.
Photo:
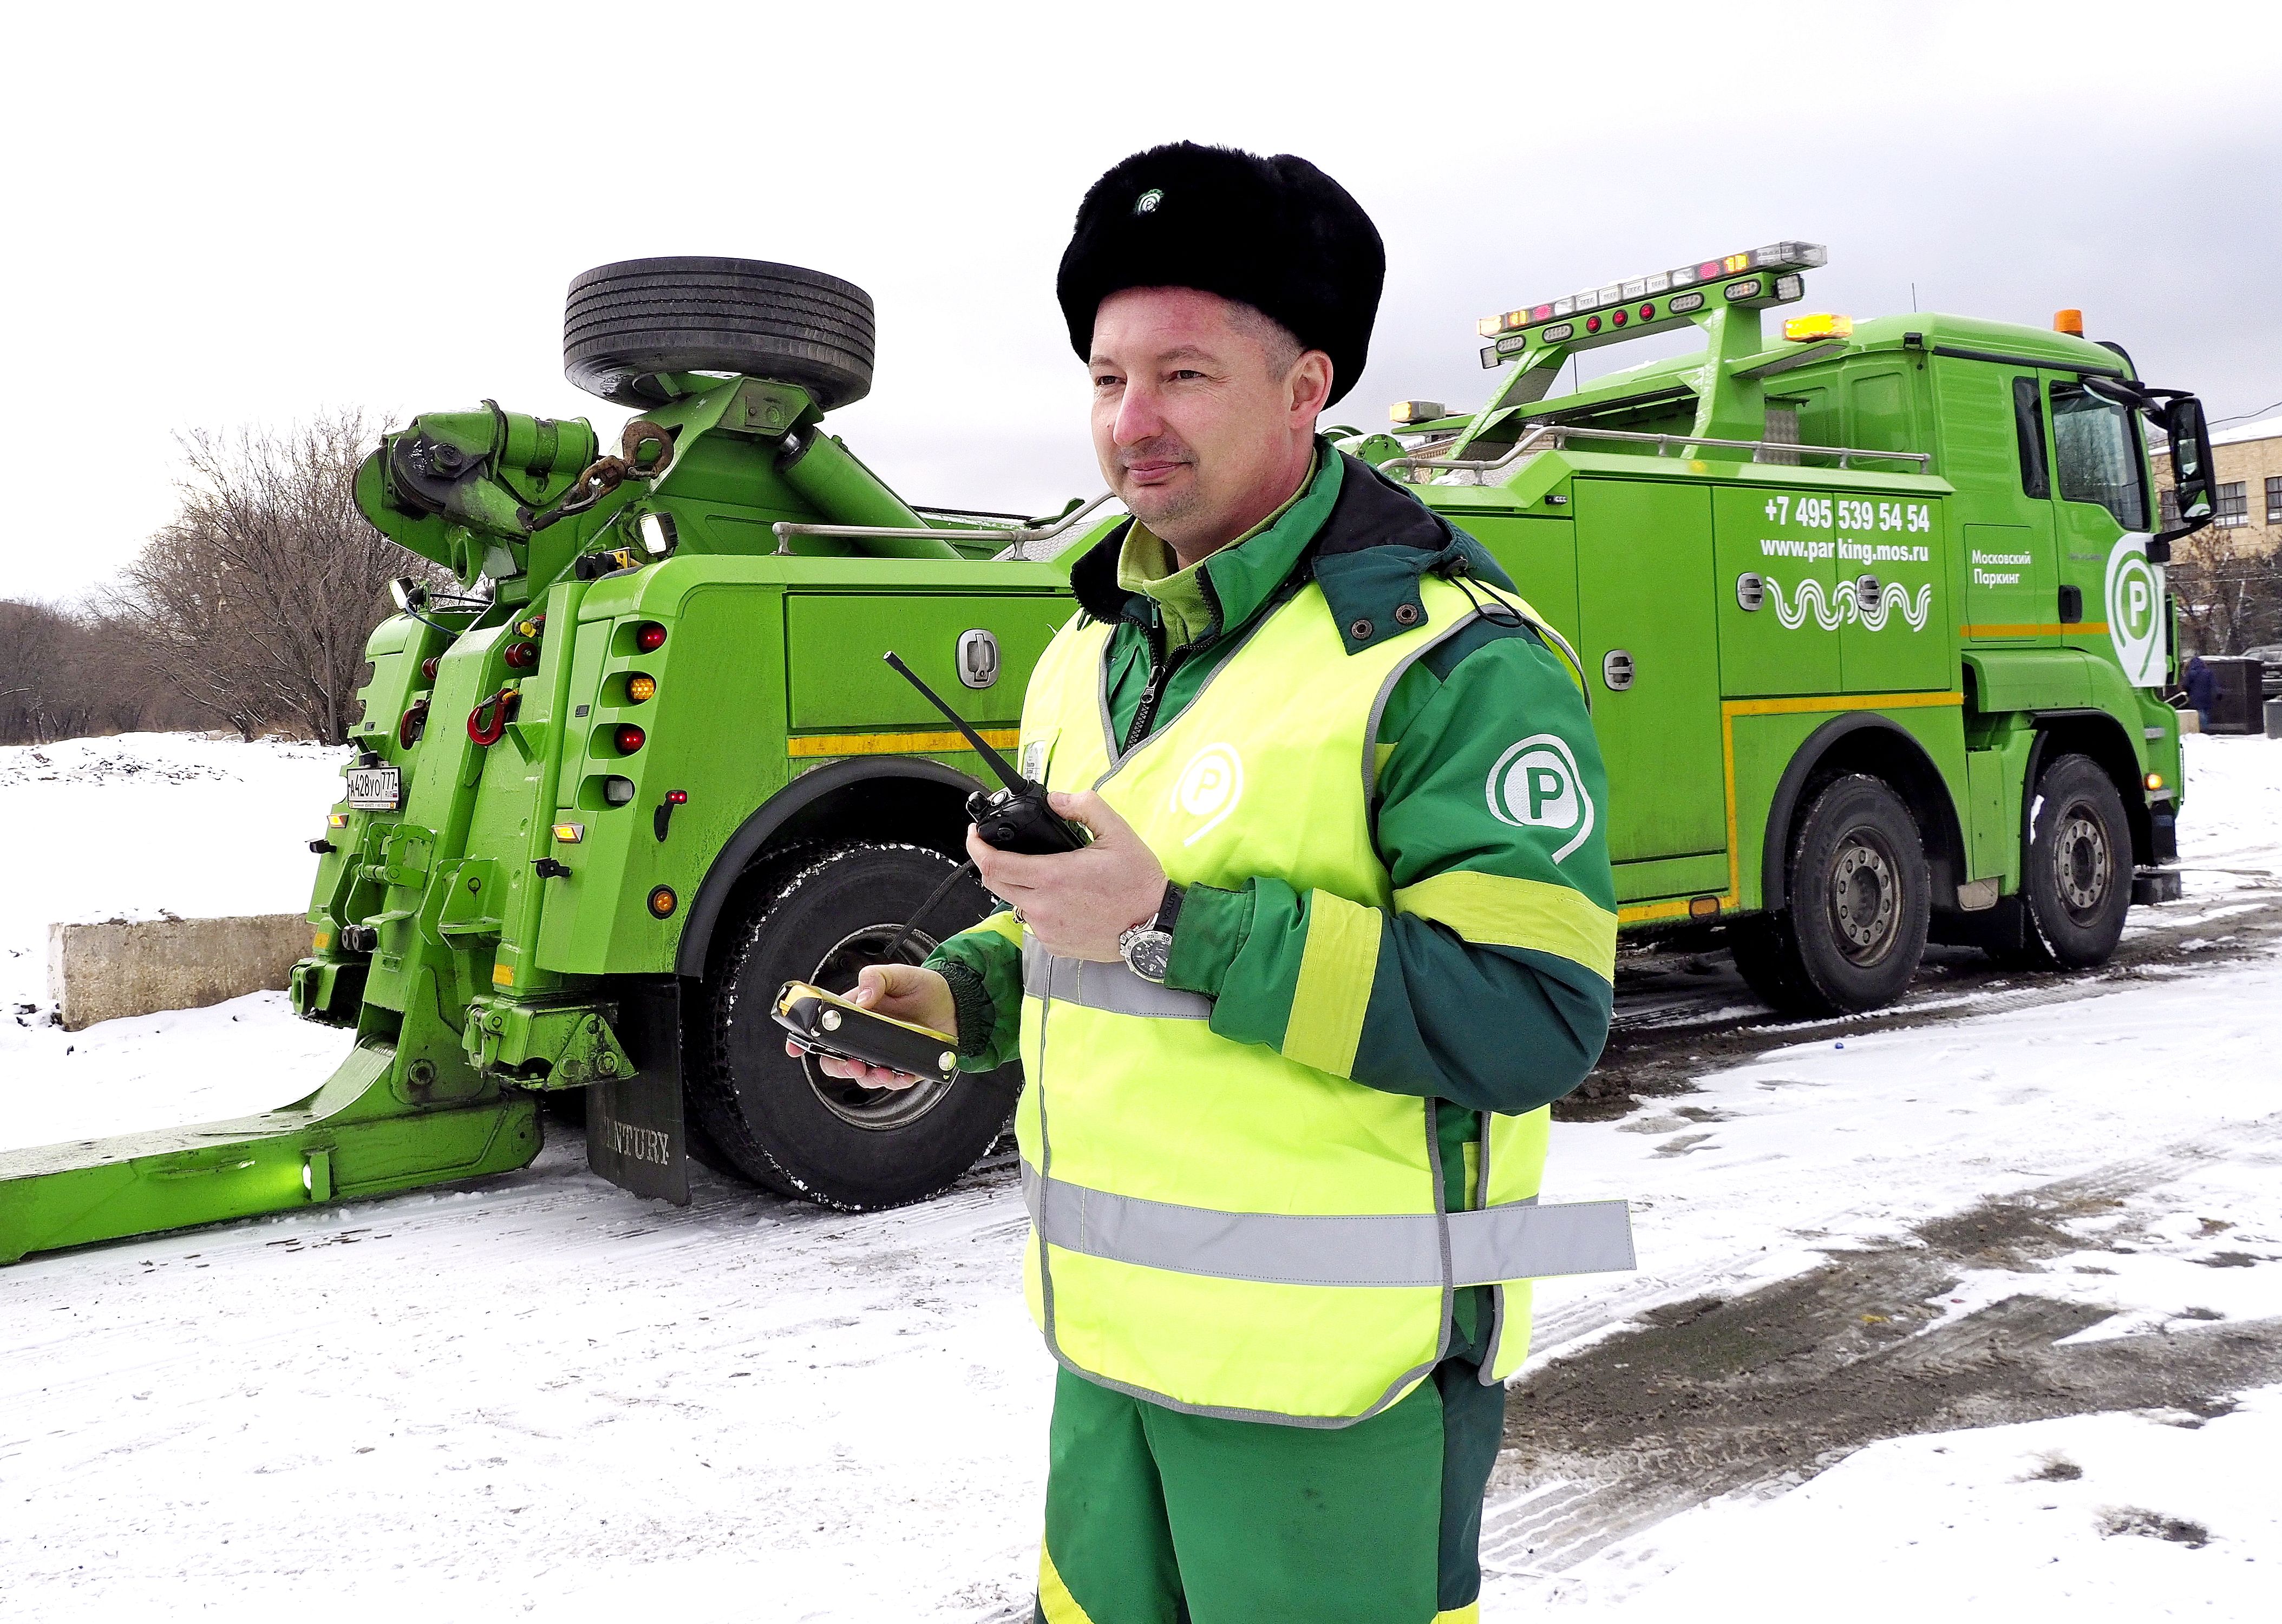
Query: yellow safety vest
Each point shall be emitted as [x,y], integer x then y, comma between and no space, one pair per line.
[1216,1225]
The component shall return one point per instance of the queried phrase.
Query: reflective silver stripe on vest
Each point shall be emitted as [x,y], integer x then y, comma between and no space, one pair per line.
[1112,987]
[1518,1242]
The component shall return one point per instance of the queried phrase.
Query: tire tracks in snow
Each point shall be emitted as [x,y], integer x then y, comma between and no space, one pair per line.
[1682,1013]
[1713,1395]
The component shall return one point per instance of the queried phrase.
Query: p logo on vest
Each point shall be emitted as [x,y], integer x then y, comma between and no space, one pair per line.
[1536,785]
[1209,788]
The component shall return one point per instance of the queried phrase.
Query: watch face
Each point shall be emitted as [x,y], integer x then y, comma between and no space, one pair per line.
[1150,954]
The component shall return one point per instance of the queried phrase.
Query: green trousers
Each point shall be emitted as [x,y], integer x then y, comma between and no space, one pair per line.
[1154,1516]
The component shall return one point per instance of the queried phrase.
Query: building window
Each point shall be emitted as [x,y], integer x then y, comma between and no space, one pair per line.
[2170,508]
[2234,504]
[2274,499]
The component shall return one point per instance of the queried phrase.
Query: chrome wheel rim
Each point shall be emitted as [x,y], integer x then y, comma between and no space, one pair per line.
[1865,897]
[2083,862]
[875,1110]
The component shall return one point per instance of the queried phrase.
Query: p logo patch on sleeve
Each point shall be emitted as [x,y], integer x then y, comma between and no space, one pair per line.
[1536,785]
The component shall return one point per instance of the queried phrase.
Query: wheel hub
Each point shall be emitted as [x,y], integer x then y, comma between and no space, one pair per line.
[1863,897]
[2081,861]
[878,1110]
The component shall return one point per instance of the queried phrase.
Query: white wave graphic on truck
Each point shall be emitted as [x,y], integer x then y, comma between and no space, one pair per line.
[1830,613]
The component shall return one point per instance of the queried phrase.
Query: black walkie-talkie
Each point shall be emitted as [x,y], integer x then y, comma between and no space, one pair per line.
[1017,818]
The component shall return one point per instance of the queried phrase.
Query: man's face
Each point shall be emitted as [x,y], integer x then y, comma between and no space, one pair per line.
[1193,424]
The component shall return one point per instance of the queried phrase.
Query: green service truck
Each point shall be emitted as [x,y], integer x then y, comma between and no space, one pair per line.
[1870,616]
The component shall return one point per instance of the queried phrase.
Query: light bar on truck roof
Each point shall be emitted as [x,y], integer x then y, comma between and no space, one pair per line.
[1773,257]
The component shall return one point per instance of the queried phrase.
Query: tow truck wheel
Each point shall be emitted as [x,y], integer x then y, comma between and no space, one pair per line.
[2077,872]
[1860,900]
[783,1123]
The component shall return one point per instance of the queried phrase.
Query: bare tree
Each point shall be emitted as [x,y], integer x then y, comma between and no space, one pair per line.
[67,672]
[254,604]
[2229,595]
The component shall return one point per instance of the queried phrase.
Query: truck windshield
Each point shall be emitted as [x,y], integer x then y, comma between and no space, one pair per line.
[2093,455]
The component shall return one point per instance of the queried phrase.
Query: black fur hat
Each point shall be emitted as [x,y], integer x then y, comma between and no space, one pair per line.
[1275,233]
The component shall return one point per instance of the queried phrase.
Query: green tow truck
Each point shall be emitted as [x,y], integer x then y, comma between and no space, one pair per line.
[1871,615]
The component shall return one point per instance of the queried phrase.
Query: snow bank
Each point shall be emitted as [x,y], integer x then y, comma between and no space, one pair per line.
[132,827]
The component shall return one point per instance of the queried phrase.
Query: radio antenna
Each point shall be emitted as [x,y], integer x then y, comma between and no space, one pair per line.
[998,762]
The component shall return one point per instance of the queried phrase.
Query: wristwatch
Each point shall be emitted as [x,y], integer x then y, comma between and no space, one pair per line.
[1147,948]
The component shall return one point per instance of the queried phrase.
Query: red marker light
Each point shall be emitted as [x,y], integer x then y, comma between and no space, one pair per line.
[1621,317]
[1648,313]
[1592,323]
[628,738]
[677,798]
[650,637]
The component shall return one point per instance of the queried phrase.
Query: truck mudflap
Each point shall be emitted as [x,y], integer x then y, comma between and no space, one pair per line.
[355,1136]
[635,1135]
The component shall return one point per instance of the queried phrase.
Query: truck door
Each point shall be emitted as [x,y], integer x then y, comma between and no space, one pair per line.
[2012,580]
[1780,613]
[2100,495]
[1895,638]
[1649,636]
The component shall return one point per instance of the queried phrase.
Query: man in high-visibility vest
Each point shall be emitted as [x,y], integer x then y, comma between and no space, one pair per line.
[1291,1023]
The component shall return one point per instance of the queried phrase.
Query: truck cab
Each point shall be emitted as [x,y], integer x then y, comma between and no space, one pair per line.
[1848,599]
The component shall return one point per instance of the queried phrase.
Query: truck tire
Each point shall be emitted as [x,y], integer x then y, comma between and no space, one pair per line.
[780,1122]
[624,323]
[1861,901]
[2075,875]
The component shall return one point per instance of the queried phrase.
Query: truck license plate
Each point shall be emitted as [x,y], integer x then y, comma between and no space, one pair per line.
[376,788]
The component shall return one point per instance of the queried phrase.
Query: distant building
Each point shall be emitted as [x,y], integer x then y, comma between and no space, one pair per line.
[2249,467]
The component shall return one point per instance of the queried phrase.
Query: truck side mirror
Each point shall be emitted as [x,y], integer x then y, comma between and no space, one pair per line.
[2189,433]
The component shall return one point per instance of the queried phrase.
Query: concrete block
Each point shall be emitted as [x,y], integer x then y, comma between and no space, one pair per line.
[119,967]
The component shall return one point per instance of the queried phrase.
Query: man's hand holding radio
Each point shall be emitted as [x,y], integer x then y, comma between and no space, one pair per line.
[1078,902]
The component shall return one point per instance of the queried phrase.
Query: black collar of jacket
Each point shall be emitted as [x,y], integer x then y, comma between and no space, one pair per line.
[1369,558]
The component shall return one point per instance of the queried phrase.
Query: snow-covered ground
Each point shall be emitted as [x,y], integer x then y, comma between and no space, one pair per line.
[134,828]
[540,1397]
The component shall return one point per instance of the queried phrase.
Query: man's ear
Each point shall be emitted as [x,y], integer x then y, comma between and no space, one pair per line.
[1310,384]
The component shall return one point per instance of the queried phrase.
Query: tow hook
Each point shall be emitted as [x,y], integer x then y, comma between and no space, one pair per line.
[486,730]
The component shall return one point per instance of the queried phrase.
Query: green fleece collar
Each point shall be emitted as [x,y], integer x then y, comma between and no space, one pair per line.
[1184,599]
[1364,540]
[1244,577]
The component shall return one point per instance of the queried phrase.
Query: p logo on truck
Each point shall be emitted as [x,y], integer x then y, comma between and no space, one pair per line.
[2134,621]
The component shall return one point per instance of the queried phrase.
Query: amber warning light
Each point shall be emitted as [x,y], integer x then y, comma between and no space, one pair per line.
[1800,329]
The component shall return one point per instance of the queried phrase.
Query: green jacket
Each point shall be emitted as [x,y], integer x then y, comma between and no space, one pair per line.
[1480,1026]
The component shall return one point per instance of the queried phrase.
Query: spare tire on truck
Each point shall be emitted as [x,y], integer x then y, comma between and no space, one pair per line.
[624,323]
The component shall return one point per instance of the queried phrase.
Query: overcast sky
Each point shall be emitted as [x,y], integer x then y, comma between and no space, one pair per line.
[229,214]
